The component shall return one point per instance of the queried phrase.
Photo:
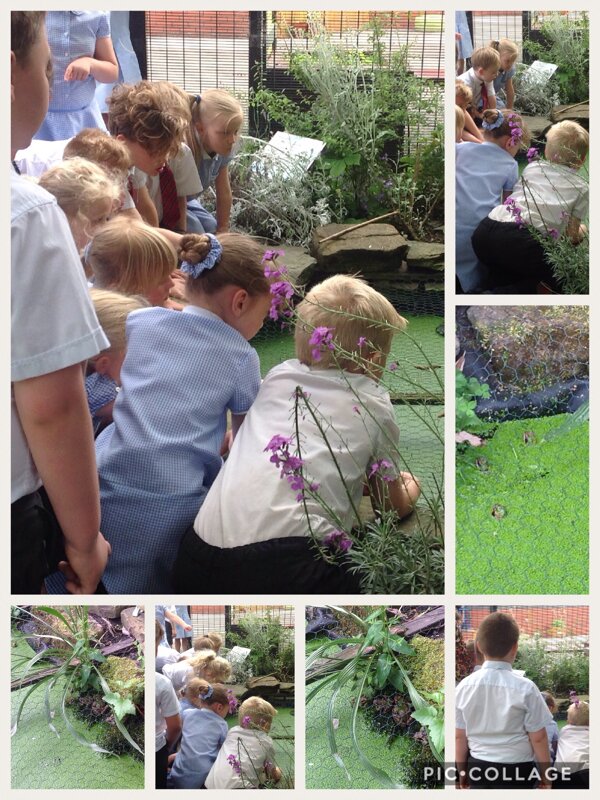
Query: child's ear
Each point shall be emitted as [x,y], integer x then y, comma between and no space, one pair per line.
[102,365]
[239,302]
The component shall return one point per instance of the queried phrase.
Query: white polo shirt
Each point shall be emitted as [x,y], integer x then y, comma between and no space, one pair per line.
[498,709]
[573,748]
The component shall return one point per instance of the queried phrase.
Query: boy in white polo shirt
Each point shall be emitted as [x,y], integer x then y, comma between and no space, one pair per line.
[501,717]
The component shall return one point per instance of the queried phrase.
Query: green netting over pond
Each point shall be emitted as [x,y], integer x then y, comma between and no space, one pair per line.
[522,510]
[322,770]
[42,760]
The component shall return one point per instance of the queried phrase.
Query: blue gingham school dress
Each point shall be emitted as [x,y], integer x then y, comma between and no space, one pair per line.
[73,106]
[183,370]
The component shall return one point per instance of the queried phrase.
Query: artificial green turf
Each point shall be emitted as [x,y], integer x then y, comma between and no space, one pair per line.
[322,770]
[540,545]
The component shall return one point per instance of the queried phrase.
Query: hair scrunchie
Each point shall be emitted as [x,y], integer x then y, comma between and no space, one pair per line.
[208,262]
[489,126]
[197,98]
[207,694]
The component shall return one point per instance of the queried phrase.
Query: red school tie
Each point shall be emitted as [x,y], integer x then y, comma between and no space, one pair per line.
[484,96]
[168,194]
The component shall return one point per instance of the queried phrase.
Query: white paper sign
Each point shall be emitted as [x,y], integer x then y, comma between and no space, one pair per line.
[238,654]
[286,153]
[539,72]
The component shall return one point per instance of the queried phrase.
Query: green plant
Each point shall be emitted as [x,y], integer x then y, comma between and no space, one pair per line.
[467,392]
[535,97]
[271,649]
[79,671]
[381,660]
[570,263]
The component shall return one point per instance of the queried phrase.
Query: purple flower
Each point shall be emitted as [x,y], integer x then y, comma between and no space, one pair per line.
[393,366]
[338,540]
[356,409]
[281,293]
[271,255]
[555,234]
[321,337]
[278,442]
[382,467]
[268,766]
[235,765]
[246,721]
[532,154]
[573,697]
[362,340]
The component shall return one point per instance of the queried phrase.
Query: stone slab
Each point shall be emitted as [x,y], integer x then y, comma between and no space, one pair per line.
[372,248]
[425,256]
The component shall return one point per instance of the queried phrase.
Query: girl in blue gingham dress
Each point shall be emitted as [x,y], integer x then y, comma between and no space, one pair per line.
[182,372]
[82,53]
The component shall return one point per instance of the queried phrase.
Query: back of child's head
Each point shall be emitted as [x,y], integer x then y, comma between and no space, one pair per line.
[567,143]
[128,256]
[83,190]
[460,122]
[159,632]
[200,692]
[203,643]
[101,148]
[506,122]
[485,58]
[353,311]
[25,30]
[464,94]
[256,712]
[211,667]
[152,114]
[550,701]
[506,48]
[112,310]
[216,639]
[497,634]
[474,653]
[239,264]
[578,713]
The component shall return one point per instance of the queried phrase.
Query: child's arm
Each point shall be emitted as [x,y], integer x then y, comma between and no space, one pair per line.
[175,618]
[509,88]
[399,495]
[471,128]
[173,728]
[54,413]
[462,754]
[224,199]
[273,772]
[171,758]
[103,66]
[541,752]
[575,230]
[182,224]
[143,203]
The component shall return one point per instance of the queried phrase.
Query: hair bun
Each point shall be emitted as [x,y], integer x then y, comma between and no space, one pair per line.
[194,247]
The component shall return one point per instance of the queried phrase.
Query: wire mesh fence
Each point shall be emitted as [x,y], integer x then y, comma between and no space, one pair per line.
[553,646]
[360,731]
[522,481]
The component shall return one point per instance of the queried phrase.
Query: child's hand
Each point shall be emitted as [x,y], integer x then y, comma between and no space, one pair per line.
[273,772]
[83,568]
[79,70]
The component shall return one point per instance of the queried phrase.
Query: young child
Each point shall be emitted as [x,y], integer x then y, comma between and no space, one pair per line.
[216,642]
[128,256]
[464,43]
[165,653]
[573,750]
[179,671]
[551,198]
[508,52]
[87,193]
[82,53]
[551,727]
[501,717]
[216,121]
[247,758]
[483,173]
[182,636]
[54,331]
[273,551]
[103,377]
[167,721]
[469,131]
[181,375]
[485,65]
[204,731]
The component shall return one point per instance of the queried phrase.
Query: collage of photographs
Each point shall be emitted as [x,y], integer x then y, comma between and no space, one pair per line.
[266,279]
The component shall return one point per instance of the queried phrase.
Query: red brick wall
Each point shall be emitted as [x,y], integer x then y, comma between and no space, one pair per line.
[543,620]
[209,24]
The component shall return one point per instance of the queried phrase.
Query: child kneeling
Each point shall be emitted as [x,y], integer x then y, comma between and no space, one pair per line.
[256,532]
[246,759]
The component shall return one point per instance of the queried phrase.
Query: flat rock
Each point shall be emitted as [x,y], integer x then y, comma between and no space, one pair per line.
[425,256]
[133,625]
[577,111]
[300,265]
[537,126]
[110,612]
[375,247]
[531,347]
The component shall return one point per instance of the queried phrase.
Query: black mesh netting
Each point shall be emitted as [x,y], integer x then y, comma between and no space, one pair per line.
[522,451]
[368,668]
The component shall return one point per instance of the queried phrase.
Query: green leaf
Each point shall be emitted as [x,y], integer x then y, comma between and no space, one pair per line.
[384,665]
[120,705]
[400,645]
[396,679]
[375,634]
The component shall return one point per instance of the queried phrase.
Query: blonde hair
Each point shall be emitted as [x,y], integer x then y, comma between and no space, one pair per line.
[260,712]
[241,264]
[158,631]
[509,120]
[216,639]
[567,143]
[484,58]
[460,122]
[112,310]
[211,667]
[578,713]
[464,91]
[101,148]
[128,256]
[201,692]
[78,184]
[502,46]
[207,107]
[153,114]
[203,643]
[352,309]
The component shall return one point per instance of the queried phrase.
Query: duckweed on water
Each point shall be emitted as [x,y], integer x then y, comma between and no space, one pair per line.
[543,488]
